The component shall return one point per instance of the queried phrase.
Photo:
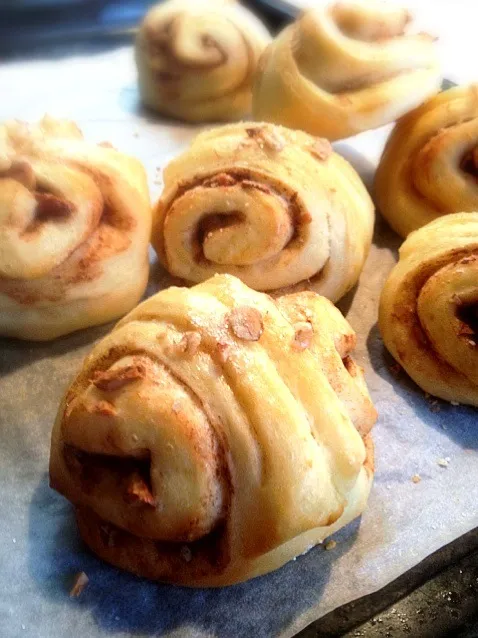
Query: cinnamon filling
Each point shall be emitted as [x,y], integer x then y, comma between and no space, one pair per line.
[468,317]
[212,223]
[469,163]
[131,475]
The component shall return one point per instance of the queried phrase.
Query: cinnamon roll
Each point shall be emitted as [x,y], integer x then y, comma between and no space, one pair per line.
[345,68]
[216,434]
[196,59]
[276,208]
[75,221]
[429,308]
[429,166]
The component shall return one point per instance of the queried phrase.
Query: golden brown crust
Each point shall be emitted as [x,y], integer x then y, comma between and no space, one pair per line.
[201,446]
[274,207]
[73,216]
[196,60]
[429,308]
[429,166]
[343,69]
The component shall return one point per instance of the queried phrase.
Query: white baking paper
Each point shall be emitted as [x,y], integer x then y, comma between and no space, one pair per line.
[40,550]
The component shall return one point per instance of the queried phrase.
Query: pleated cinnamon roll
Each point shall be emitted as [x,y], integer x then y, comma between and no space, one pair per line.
[345,68]
[429,308]
[75,221]
[429,166]
[196,59]
[276,208]
[216,434]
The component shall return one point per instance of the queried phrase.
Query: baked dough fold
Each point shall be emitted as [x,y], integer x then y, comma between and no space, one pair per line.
[216,434]
[276,208]
[429,308]
[343,69]
[75,221]
[429,166]
[196,59]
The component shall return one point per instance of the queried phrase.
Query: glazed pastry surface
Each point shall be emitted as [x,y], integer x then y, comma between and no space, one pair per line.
[429,166]
[196,59]
[345,68]
[429,308]
[216,434]
[276,208]
[75,222]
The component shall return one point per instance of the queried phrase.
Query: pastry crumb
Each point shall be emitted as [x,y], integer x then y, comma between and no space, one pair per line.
[176,408]
[105,408]
[321,149]
[112,380]
[442,462]
[223,351]
[190,343]
[246,323]
[138,492]
[80,582]
[416,478]
[267,138]
[454,403]
[303,335]
[331,544]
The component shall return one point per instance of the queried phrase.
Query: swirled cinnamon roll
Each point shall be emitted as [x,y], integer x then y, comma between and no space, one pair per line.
[215,434]
[345,68]
[276,208]
[429,308]
[196,59]
[75,221]
[429,166]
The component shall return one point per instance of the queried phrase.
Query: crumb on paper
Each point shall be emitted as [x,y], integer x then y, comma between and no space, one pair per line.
[442,462]
[331,544]
[186,553]
[136,134]
[416,478]
[81,581]
[395,369]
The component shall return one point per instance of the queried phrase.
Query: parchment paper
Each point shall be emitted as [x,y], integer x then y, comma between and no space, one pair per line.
[39,546]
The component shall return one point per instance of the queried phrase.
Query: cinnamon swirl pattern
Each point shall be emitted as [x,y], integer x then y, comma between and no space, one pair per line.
[343,69]
[196,59]
[429,308]
[429,166]
[276,208]
[75,221]
[215,434]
